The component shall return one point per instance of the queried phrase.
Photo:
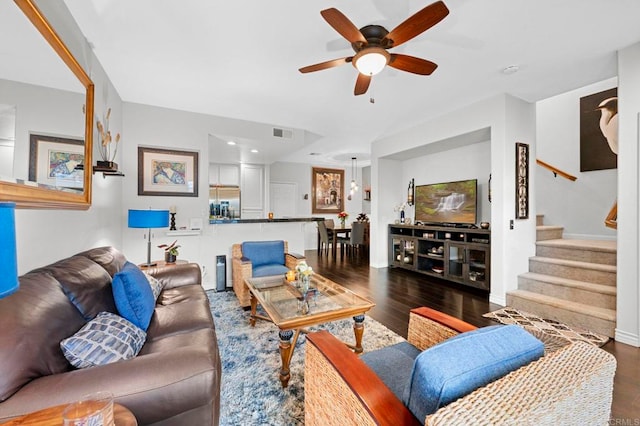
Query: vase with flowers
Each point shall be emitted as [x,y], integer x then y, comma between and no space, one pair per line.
[304,273]
[343,217]
[106,141]
[170,251]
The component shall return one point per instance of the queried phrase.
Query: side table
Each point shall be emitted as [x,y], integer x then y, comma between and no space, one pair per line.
[162,264]
[52,416]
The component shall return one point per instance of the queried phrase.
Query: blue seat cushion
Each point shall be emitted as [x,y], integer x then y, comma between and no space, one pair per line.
[458,366]
[264,252]
[266,270]
[393,365]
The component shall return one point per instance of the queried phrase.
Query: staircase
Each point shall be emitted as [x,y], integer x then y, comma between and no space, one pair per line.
[571,281]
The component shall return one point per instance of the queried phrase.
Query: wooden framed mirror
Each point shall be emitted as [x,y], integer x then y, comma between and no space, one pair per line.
[48,120]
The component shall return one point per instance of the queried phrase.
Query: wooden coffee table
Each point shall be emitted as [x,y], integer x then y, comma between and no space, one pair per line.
[52,416]
[292,309]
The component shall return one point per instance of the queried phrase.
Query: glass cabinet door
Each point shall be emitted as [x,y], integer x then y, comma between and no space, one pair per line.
[455,262]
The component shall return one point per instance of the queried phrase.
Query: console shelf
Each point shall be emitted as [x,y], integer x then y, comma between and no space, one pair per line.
[455,254]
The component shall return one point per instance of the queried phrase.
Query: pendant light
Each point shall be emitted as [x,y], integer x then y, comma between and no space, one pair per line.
[354,176]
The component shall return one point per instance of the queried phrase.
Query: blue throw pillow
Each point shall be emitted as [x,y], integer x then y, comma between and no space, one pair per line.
[133,295]
[460,365]
[105,339]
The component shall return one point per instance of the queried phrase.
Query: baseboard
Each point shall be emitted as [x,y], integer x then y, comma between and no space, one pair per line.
[627,338]
[500,299]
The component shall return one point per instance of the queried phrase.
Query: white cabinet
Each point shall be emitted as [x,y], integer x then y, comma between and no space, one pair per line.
[252,191]
[224,174]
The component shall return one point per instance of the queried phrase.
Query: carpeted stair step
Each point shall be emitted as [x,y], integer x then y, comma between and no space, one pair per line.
[575,270]
[598,295]
[598,320]
[592,251]
[539,219]
[548,232]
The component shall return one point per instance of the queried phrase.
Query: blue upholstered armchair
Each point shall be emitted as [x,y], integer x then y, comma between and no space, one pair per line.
[259,259]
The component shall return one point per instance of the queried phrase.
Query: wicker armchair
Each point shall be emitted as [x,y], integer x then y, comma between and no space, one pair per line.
[242,269]
[573,385]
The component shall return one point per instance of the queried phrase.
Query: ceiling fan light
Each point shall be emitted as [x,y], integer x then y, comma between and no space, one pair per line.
[371,61]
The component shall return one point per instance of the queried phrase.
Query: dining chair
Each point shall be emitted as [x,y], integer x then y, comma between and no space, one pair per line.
[325,239]
[355,241]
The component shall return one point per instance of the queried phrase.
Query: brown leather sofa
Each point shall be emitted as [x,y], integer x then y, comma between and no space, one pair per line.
[174,380]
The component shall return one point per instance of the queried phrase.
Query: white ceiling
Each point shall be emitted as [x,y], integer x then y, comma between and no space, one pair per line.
[240,59]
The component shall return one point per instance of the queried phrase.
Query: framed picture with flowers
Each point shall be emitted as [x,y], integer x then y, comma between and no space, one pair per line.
[327,190]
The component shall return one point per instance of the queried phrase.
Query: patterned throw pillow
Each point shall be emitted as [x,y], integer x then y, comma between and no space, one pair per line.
[105,339]
[156,285]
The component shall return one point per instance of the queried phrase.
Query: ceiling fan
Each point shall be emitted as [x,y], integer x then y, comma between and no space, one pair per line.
[372,42]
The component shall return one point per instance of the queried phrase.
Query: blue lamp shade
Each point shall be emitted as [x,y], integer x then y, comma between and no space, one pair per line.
[8,258]
[148,218]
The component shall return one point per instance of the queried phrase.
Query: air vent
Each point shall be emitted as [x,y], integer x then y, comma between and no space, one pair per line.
[282,133]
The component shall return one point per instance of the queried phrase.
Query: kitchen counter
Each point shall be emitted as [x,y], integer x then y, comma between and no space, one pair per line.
[274,220]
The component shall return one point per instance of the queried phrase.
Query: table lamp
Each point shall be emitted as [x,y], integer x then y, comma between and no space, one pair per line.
[148,219]
[9,283]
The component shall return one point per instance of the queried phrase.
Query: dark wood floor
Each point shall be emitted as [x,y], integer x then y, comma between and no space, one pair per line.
[396,291]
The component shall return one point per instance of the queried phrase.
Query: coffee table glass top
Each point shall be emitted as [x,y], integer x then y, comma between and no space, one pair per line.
[289,305]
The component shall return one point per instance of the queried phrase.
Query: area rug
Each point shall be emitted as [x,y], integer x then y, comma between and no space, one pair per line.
[547,326]
[251,393]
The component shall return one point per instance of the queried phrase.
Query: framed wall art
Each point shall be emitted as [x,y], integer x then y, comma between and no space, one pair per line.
[599,131]
[167,172]
[56,161]
[327,190]
[522,180]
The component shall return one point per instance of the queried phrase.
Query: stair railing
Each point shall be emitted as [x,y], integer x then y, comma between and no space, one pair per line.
[556,171]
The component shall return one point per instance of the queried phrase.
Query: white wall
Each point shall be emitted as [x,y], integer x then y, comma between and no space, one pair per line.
[628,296]
[467,162]
[510,120]
[582,205]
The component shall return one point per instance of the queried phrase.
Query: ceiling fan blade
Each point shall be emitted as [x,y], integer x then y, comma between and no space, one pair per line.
[325,65]
[416,24]
[343,25]
[411,64]
[362,84]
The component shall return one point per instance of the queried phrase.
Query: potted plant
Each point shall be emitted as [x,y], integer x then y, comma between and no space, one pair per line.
[170,251]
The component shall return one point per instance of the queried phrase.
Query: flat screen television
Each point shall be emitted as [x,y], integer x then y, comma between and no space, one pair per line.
[449,202]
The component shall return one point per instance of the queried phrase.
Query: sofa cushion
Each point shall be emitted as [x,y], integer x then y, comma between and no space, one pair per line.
[105,339]
[133,295]
[458,366]
[393,365]
[263,252]
[107,257]
[86,284]
[267,270]
[34,320]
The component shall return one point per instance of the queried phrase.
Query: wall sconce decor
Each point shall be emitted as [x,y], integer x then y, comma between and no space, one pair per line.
[411,192]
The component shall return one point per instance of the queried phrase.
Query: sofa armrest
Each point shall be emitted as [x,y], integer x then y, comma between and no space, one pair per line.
[428,327]
[292,259]
[177,275]
[341,389]
[573,385]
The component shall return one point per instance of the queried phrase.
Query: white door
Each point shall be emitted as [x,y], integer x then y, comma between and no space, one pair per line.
[282,198]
